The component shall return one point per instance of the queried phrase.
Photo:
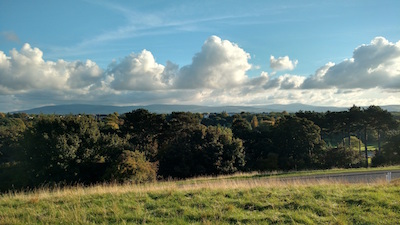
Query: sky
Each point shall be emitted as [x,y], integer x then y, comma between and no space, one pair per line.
[213,53]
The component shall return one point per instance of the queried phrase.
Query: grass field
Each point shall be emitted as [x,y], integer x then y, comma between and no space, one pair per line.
[224,200]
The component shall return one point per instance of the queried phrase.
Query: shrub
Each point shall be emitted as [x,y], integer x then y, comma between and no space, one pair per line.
[132,166]
[342,158]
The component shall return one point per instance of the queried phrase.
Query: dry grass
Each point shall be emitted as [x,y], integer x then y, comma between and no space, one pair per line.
[220,183]
[208,201]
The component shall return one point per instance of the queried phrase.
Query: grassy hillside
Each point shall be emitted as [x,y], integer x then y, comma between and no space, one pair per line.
[222,201]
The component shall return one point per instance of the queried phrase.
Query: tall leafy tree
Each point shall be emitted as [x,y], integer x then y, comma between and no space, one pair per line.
[144,130]
[61,149]
[199,150]
[381,121]
[11,130]
[375,118]
[391,150]
[298,143]
[254,122]
[112,122]
[355,115]
[241,128]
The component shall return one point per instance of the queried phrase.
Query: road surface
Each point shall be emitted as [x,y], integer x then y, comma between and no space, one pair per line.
[356,177]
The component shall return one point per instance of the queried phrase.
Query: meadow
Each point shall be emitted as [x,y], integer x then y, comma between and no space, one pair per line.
[239,199]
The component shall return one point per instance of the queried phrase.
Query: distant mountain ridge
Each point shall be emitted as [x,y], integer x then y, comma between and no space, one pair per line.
[160,108]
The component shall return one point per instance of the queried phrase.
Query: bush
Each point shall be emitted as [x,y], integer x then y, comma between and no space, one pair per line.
[342,158]
[267,164]
[132,166]
[390,152]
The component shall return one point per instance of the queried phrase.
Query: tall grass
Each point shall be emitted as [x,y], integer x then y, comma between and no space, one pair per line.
[218,201]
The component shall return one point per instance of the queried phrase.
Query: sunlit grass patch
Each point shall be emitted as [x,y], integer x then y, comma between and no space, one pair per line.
[208,201]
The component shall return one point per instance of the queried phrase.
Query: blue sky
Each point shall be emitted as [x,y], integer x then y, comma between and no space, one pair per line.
[199,52]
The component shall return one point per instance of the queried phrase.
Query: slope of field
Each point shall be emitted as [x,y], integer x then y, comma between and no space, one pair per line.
[225,201]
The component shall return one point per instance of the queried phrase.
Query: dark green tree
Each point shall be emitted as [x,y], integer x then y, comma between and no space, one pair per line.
[12,174]
[11,130]
[199,150]
[241,128]
[381,121]
[144,129]
[375,118]
[341,157]
[298,143]
[61,149]
[390,153]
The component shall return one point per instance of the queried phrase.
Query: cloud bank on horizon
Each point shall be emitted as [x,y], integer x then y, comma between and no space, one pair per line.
[217,75]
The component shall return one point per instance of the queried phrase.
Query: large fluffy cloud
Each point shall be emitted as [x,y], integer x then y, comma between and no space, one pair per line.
[374,65]
[282,63]
[216,76]
[26,70]
[139,72]
[219,64]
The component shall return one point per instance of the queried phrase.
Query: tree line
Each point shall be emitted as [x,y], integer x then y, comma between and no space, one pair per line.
[140,146]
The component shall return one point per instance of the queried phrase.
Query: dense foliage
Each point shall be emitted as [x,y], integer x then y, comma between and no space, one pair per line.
[140,146]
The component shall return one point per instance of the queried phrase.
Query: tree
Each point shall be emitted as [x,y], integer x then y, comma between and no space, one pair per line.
[317,118]
[341,157]
[215,119]
[183,120]
[144,130]
[254,122]
[375,118]
[112,146]
[132,166]
[61,149]
[11,130]
[241,128]
[381,121]
[199,150]
[257,143]
[12,174]
[226,152]
[355,122]
[390,154]
[298,143]
[112,122]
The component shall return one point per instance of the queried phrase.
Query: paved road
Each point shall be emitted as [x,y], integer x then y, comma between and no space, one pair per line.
[356,177]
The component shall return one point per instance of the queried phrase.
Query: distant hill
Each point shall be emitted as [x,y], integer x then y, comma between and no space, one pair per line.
[107,109]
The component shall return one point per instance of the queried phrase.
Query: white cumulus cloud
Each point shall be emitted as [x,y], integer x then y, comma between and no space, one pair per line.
[26,70]
[139,72]
[219,64]
[217,75]
[282,63]
[373,65]
[286,81]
